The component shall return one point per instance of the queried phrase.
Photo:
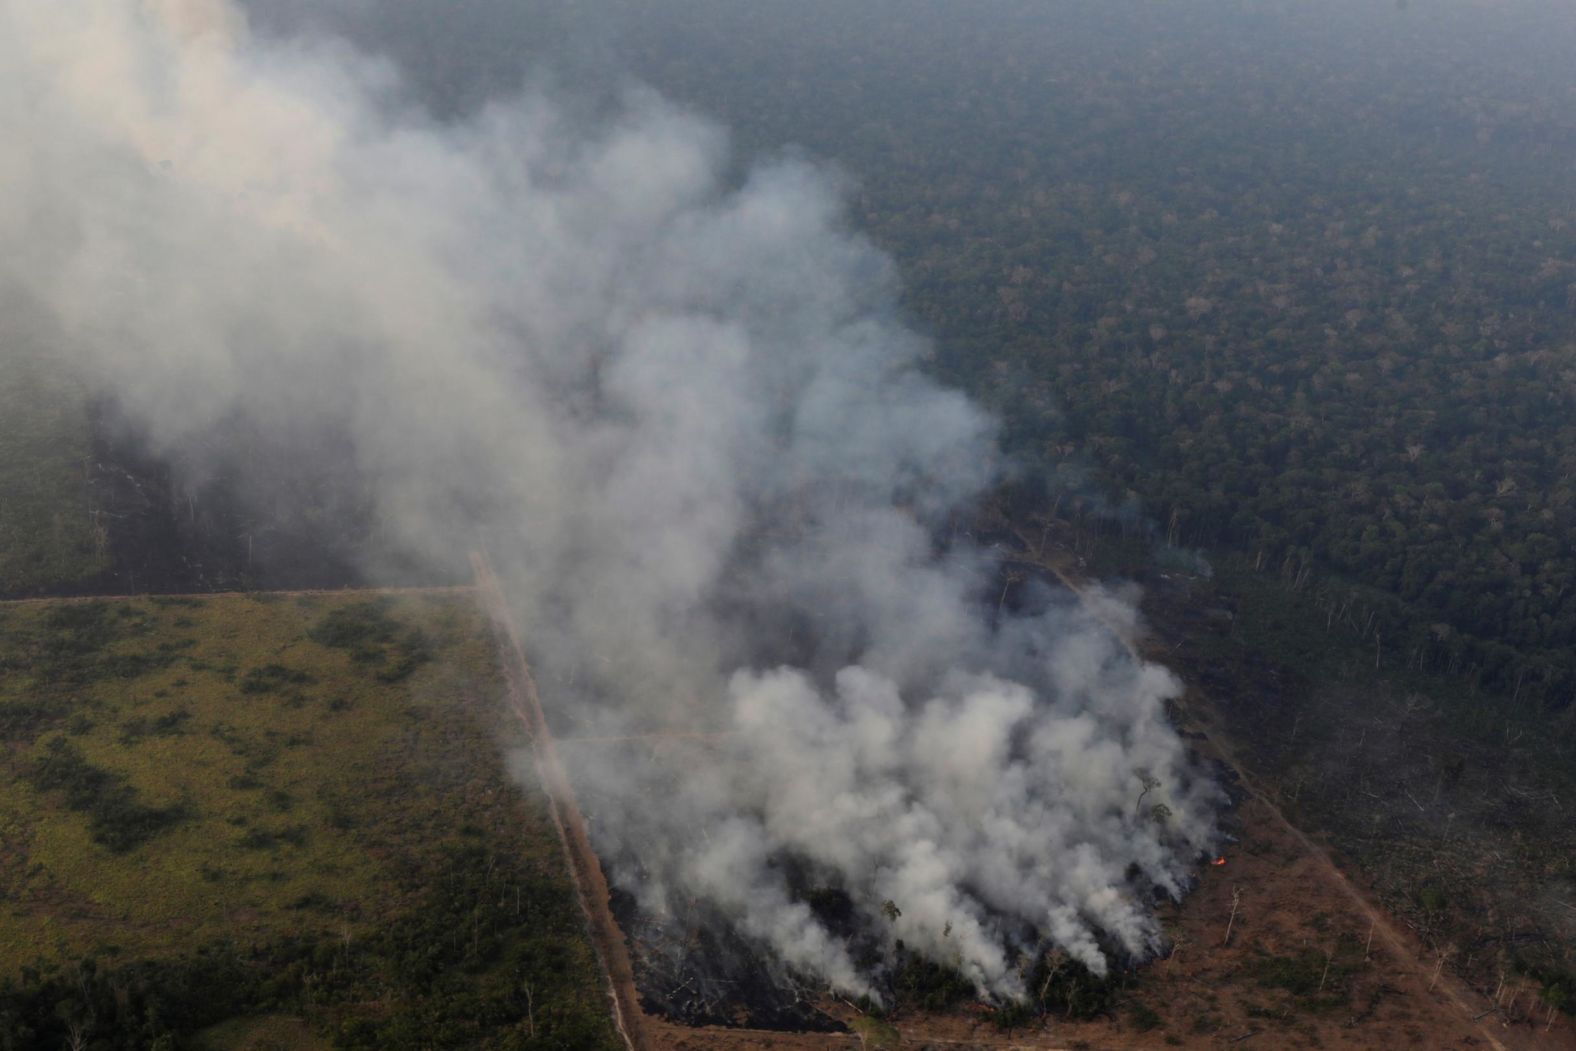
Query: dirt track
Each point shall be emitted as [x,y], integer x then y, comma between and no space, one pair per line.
[1470,1006]
[448,589]
[1404,949]
[584,868]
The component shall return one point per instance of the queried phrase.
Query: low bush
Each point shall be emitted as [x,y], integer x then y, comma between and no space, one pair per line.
[117,819]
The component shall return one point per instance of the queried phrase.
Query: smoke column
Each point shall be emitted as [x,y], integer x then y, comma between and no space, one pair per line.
[682,414]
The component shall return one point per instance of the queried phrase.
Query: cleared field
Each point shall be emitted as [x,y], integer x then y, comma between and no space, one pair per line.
[284,816]
[1280,945]
[48,535]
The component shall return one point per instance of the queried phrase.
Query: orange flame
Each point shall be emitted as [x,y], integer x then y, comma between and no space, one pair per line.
[1218,861]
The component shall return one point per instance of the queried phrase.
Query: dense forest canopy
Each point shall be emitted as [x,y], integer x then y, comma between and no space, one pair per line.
[1293,278]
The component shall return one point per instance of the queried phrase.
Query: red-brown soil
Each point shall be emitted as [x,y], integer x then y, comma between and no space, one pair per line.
[1211,994]
[1297,914]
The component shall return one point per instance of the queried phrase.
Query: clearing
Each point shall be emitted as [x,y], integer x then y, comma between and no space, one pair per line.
[286,815]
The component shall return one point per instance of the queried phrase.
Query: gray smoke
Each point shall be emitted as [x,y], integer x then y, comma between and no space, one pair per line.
[681,413]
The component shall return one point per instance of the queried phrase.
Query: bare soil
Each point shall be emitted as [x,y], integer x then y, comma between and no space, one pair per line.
[1311,961]
[1292,904]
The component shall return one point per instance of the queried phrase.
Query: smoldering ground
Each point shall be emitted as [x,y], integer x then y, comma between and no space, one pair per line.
[681,412]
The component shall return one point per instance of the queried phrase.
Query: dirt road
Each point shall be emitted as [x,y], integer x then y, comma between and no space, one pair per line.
[1405,951]
[445,589]
[584,868]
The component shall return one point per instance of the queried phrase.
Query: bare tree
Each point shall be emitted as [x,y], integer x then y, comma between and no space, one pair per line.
[1150,783]
[1177,945]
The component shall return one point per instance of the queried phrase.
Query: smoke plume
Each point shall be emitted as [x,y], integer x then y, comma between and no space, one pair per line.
[679,409]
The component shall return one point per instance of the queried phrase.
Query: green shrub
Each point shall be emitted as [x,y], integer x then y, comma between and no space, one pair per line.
[1014,1014]
[168,725]
[358,626]
[876,1034]
[116,818]
[79,627]
[931,986]
[1143,1017]
[371,636]
[23,720]
[270,677]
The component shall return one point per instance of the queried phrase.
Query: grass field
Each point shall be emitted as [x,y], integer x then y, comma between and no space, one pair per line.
[285,816]
[47,531]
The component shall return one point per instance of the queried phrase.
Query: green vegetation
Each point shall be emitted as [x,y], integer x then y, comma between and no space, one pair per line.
[876,1034]
[1558,986]
[264,1033]
[215,825]
[372,637]
[1225,289]
[1063,986]
[116,818]
[1058,985]
[49,533]
[1014,1014]
[1274,294]
[1143,1016]
[1189,278]
[1315,981]
[931,986]
[1448,795]
[271,678]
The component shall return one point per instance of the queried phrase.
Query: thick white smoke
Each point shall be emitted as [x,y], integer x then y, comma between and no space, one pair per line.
[683,417]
